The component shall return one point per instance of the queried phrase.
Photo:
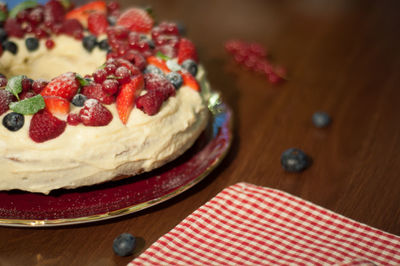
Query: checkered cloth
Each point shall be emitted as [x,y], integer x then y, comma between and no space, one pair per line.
[250,225]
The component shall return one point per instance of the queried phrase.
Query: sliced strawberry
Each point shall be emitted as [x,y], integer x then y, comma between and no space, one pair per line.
[95,91]
[44,126]
[189,80]
[82,13]
[97,23]
[95,114]
[64,86]
[126,97]
[56,105]
[158,62]
[186,50]
[136,19]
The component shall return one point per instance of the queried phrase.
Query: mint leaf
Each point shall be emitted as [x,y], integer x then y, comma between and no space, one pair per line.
[28,106]
[22,6]
[82,81]
[14,85]
[162,56]
[3,16]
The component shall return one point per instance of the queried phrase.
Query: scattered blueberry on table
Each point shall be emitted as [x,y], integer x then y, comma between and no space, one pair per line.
[124,244]
[321,119]
[294,160]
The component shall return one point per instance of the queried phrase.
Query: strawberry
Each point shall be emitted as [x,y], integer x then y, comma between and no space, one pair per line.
[82,13]
[64,86]
[189,80]
[136,19]
[56,105]
[95,114]
[158,62]
[126,97]
[95,91]
[97,23]
[186,50]
[44,126]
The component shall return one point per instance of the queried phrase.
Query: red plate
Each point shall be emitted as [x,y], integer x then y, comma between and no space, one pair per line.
[113,199]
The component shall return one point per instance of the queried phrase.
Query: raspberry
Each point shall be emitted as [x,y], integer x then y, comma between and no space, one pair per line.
[6,98]
[186,50]
[160,84]
[26,94]
[13,28]
[95,114]
[150,103]
[95,91]
[136,58]
[44,126]
[136,19]
[53,12]
[71,27]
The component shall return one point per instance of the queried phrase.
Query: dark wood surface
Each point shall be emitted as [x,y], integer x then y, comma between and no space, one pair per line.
[342,56]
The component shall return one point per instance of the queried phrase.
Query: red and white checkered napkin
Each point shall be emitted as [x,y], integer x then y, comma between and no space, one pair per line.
[250,225]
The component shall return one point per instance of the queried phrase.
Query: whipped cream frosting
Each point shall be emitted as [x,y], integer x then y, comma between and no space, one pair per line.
[85,155]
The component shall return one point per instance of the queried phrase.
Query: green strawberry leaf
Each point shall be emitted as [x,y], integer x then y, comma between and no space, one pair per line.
[28,106]
[83,81]
[14,85]
[3,16]
[22,6]
[162,56]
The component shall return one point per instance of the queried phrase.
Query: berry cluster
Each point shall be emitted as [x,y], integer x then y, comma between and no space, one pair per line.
[253,56]
[140,71]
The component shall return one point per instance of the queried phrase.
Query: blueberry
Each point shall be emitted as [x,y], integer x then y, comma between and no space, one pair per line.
[10,46]
[190,66]
[89,42]
[79,100]
[152,69]
[294,160]
[3,35]
[175,78]
[124,244]
[13,121]
[321,119]
[32,43]
[103,45]
[151,44]
[181,28]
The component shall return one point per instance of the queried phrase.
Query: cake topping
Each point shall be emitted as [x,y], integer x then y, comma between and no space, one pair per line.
[13,121]
[94,113]
[136,19]
[56,105]
[65,86]
[44,126]
[126,97]
[6,98]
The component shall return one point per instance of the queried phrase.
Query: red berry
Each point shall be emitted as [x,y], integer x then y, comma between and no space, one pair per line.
[26,94]
[126,97]
[112,6]
[26,84]
[72,27]
[122,73]
[150,103]
[6,98]
[186,50]
[160,84]
[110,86]
[97,23]
[136,58]
[133,69]
[82,13]
[95,91]
[56,105]
[13,28]
[136,19]
[44,126]
[64,86]
[49,44]
[94,113]
[53,12]
[38,85]
[100,75]
[73,119]
[36,15]
[110,68]
[3,80]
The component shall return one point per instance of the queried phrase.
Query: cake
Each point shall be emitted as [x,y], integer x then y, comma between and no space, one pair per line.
[91,94]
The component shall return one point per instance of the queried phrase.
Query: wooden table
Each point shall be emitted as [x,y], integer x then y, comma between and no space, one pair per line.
[342,57]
